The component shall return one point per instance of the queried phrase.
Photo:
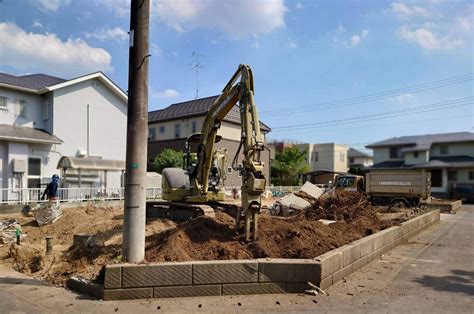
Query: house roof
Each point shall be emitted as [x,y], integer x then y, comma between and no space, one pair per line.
[26,134]
[357,153]
[424,142]
[42,83]
[461,161]
[32,81]
[194,108]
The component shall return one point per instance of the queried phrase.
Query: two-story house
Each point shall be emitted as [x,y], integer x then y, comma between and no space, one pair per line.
[45,119]
[169,128]
[358,160]
[449,157]
[326,161]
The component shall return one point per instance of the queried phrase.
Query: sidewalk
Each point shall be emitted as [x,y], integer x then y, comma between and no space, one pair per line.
[434,272]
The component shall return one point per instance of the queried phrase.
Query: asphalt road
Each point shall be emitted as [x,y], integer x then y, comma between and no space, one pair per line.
[432,273]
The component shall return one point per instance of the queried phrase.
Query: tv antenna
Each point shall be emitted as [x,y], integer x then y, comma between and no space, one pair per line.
[196,65]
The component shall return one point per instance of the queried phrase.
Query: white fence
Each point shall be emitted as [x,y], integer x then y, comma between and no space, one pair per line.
[25,196]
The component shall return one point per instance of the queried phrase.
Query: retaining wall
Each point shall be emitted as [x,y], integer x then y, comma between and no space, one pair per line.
[445,206]
[260,276]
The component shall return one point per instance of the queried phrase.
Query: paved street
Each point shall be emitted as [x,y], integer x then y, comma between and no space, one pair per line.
[434,272]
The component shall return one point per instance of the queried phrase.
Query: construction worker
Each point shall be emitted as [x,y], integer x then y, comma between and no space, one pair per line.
[52,189]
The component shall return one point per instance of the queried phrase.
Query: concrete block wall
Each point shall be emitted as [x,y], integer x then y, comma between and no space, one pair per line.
[260,276]
[341,262]
[204,278]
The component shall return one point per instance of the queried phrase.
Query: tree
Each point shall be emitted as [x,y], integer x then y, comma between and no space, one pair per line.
[168,158]
[287,167]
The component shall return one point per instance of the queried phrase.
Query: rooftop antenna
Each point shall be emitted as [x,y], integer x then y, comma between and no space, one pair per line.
[196,65]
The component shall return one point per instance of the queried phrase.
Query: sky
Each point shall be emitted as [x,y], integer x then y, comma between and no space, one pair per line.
[350,72]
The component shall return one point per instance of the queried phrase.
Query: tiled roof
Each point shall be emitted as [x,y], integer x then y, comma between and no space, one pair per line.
[424,142]
[26,134]
[435,162]
[32,81]
[357,153]
[193,108]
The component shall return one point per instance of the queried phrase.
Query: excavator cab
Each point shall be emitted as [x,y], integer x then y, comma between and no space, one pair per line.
[177,183]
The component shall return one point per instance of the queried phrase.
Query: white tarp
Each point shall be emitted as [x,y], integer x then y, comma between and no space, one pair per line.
[46,213]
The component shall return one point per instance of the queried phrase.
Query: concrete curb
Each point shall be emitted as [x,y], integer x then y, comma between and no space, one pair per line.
[261,276]
[443,206]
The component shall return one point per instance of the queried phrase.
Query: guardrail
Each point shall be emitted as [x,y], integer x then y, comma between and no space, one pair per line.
[33,195]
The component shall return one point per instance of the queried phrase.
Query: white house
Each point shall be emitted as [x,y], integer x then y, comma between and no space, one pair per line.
[45,119]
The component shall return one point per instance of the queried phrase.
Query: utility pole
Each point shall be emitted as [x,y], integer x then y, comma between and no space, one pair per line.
[133,248]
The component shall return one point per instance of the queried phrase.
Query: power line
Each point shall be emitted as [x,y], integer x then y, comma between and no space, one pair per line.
[384,115]
[373,97]
[375,125]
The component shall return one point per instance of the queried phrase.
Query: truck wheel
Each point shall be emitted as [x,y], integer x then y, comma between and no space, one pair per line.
[398,204]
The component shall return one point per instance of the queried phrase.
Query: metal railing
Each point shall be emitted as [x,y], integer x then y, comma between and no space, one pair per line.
[33,195]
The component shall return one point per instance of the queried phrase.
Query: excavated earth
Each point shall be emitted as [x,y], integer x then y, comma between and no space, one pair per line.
[204,238]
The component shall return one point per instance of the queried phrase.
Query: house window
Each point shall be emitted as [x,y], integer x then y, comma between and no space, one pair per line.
[162,129]
[444,150]
[395,153]
[3,102]
[21,108]
[351,160]
[45,110]
[471,175]
[452,175]
[34,172]
[315,156]
[342,157]
[151,134]
[194,127]
[415,154]
[177,130]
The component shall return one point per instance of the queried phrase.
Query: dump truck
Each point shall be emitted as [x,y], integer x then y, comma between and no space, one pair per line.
[390,187]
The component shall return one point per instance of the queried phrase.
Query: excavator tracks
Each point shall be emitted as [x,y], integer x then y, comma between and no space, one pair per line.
[177,211]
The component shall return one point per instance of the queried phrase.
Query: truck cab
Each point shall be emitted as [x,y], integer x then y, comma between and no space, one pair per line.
[352,183]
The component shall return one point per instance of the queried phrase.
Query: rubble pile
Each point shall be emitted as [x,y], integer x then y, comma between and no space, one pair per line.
[293,203]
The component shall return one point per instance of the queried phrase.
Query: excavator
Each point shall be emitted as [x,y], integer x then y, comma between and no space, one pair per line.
[201,183]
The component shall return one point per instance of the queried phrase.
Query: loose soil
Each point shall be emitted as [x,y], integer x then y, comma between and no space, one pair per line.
[204,238]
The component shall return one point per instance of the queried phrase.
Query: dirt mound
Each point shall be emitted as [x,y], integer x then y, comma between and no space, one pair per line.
[301,236]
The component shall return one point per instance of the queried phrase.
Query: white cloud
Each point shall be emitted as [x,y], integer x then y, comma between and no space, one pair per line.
[463,24]
[47,53]
[355,40]
[167,93]
[404,11]
[404,98]
[255,43]
[299,5]
[155,50]
[236,18]
[106,33]
[291,44]
[428,39]
[36,24]
[49,5]
[120,7]
[340,29]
